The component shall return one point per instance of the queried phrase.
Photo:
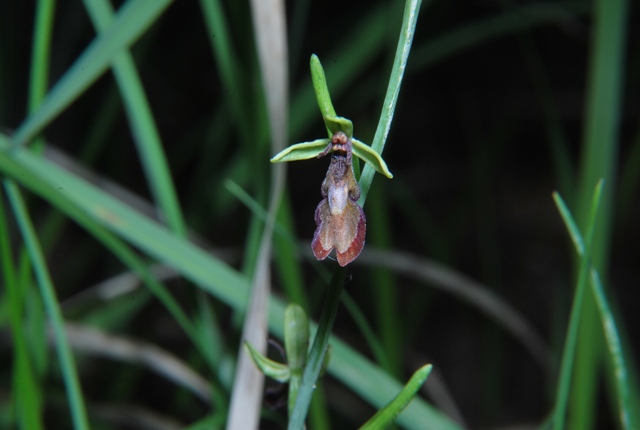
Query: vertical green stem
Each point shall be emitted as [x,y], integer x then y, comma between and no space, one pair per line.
[409,20]
[319,348]
[602,122]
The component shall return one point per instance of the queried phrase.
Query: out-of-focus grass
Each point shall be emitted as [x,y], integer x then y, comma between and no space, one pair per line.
[598,162]
[196,114]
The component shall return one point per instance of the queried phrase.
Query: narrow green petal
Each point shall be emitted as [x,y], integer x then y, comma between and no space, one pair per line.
[371,157]
[278,371]
[320,87]
[301,151]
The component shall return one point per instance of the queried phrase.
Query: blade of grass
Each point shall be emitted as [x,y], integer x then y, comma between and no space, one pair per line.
[29,357]
[625,398]
[602,119]
[385,286]
[38,83]
[40,54]
[47,290]
[231,73]
[289,270]
[568,355]
[77,198]
[626,403]
[27,402]
[387,415]
[131,21]
[393,91]
[367,331]
[142,123]
[270,32]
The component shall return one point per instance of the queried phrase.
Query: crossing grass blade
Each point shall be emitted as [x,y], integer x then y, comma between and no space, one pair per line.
[48,293]
[131,21]
[385,416]
[569,353]
[28,396]
[625,399]
[143,125]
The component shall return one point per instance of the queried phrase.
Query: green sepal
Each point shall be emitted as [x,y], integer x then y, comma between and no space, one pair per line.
[332,121]
[385,416]
[301,151]
[338,123]
[296,337]
[320,88]
[278,371]
[371,157]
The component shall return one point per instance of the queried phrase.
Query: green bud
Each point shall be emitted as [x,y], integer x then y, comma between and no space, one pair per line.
[296,337]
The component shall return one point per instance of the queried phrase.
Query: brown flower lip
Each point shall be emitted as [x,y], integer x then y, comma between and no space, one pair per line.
[341,223]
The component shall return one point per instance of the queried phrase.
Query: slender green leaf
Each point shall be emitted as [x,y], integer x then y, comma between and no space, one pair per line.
[407,31]
[144,129]
[27,400]
[231,72]
[385,416]
[626,404]
[602,118]
[572,228]
[43,30]
[47,290]
[625,398]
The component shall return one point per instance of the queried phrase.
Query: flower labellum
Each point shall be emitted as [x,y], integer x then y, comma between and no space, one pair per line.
[340,221]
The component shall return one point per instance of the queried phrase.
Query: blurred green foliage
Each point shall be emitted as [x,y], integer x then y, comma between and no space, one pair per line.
[127,185]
